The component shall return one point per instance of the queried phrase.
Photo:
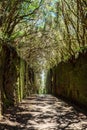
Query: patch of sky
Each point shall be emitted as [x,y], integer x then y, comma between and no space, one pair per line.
[40,23]
[52,3]
[43,78]
[53,14]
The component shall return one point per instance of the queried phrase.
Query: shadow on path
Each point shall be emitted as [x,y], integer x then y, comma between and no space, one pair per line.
[43,112]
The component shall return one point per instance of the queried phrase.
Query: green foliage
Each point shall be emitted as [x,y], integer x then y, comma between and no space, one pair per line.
[42,91]
[83,49]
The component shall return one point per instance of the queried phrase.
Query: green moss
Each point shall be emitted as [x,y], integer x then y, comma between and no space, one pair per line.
[22,75]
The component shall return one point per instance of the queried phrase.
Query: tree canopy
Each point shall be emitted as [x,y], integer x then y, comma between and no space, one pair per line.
[49,30]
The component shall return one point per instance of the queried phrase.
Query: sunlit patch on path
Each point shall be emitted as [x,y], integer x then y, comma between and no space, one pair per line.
[43,112]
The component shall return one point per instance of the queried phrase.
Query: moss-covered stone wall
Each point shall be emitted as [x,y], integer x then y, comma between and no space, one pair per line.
[70,79]
[12,77]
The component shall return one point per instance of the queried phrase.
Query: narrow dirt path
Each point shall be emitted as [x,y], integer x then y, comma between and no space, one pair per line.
[43,112]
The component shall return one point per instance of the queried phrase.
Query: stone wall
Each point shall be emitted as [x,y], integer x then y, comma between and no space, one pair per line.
[70,79]
[12,74]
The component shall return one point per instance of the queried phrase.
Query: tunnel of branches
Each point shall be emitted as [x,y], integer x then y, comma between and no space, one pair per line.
[43,50]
